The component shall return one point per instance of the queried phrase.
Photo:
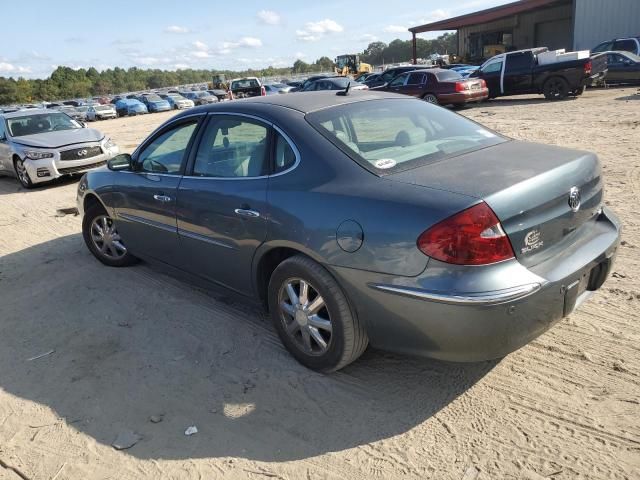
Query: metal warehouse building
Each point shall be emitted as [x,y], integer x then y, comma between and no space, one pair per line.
[568,24]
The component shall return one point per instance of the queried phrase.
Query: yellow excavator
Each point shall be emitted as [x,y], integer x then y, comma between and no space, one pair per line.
[350,64]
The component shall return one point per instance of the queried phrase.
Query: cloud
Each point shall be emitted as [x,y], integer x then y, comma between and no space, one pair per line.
[269,17]
[200,54]
[300,55]
[435,16]
[176,29]
[200,45]
[11,68]
[126,41]
[367,37]
[314,31]
[395,29]
[250,42]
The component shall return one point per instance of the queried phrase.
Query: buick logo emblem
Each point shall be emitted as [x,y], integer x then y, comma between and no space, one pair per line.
[82,153]
[574,199]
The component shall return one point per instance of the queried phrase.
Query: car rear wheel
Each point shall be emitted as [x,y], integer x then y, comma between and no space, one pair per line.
[312,316]
[431,98]
[102,238]
[556,88]
[22,174]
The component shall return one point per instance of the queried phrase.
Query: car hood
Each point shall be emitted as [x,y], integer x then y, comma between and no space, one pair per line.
[60,138]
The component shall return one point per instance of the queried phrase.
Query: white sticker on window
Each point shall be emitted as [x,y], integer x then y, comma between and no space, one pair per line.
[485,133]
[385,163]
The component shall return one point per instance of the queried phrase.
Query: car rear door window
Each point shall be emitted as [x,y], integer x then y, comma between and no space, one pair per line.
[603,47]
[628,45]
[284,156]
[166,152]
[518,62]
[232,147]
[416,79]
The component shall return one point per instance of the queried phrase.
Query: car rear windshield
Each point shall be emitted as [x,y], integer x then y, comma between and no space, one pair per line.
[102,108]
[40,123]
[390,135]
[448,76]
[245,83]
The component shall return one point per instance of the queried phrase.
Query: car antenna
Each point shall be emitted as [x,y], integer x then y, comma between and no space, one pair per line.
[345,92]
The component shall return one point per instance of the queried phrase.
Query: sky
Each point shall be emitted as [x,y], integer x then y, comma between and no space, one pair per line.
[43,34]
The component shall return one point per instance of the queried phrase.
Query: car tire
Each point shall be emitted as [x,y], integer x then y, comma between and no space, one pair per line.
[430,98]
[555,88]
[21,174]
[578,91]
[323,308]
[113,254]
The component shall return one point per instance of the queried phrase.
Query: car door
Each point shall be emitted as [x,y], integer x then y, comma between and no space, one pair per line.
[397,84]
[517,72]
[415,84]
[615,66]
[222,206]
[6,164]
[491,73]
[145,197]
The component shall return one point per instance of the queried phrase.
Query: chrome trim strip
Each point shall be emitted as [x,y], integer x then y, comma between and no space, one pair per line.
[468,299]
[150,223]
[203,238]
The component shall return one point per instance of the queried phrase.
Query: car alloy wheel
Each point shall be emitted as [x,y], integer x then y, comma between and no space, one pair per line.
[430,98]
[22,174]
[305,316]
[106,239]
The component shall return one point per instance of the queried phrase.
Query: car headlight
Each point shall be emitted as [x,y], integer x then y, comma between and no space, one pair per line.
[35,155]
[109,144]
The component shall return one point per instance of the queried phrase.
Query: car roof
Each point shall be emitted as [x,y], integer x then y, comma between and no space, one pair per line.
[30,111]
[307,102]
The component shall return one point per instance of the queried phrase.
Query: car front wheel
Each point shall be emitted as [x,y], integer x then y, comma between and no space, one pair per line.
[22,174]
[103,240]
[431,98]
[312,316]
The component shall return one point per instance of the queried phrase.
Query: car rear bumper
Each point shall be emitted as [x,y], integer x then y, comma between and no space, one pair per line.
[479,313]
[460,98]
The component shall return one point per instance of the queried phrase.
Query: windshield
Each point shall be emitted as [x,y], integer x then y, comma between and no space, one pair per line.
[82,109]
[40,123]
[387,136]
[245,83]
[153,98]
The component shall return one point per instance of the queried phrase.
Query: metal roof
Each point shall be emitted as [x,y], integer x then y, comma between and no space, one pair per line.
[484,16]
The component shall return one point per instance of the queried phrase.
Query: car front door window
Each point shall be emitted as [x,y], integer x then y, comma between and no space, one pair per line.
[399,81]
[166,153]
[493,68]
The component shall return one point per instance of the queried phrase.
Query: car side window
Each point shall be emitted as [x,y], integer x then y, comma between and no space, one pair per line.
[284,157]
[165,153]
[603,47]
[232,147]
[399,80]
[493,67]
[628,45]
[416,79]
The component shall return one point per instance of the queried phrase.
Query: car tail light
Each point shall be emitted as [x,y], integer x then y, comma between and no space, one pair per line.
[471,237]
[587,68]
[263,91]
[461,86]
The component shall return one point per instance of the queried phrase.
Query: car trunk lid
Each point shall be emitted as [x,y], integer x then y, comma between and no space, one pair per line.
[528,187]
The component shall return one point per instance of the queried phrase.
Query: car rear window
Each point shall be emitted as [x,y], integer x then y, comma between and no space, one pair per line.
[245,83]
[390,135]
[448,76]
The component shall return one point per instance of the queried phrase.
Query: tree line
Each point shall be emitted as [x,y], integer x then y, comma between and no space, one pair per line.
[67,83]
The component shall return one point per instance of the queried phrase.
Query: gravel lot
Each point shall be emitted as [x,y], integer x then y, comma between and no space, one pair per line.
[132,343]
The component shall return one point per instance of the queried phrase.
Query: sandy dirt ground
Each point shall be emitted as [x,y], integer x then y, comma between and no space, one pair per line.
[128,344]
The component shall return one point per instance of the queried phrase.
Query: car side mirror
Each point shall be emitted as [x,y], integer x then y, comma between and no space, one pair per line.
[120,162]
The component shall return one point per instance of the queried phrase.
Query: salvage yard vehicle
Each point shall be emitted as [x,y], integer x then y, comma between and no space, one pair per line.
[350,64]
[101,112]
[276,88]
[154,102]
[334,83]
[629,44]
[200,98]
[246,88]
[521,72]
[37,146]
[389,74]
[130,107]
[435,85]
[363,218]
[623,67]
[177,101]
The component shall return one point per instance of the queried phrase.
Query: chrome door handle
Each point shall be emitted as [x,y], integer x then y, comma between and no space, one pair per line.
[162,198]
[247,213]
